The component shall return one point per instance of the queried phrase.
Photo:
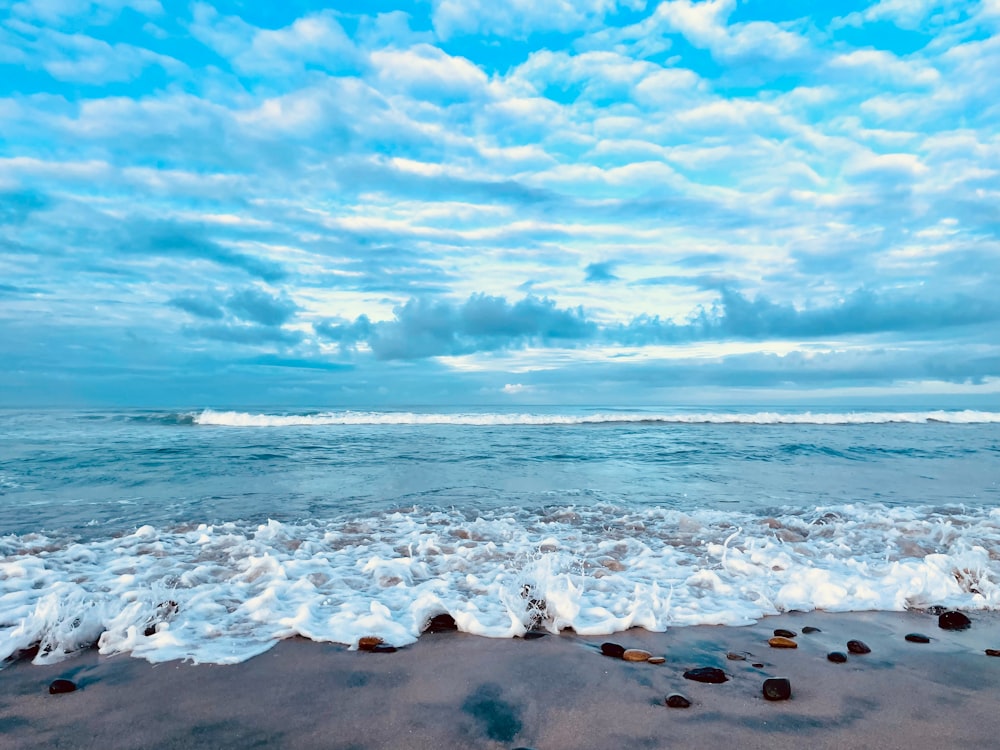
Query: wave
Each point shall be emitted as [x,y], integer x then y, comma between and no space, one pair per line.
[247,419]
[226,592]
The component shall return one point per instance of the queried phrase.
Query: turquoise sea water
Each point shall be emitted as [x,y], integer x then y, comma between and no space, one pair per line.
[210,535]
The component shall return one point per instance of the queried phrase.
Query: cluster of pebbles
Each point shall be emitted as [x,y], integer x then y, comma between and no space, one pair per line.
[773,688]
[776,688]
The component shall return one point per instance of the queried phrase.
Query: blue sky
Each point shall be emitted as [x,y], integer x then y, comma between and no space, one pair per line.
[521,202]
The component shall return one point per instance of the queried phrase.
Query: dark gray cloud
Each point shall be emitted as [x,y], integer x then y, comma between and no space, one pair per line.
[864,311]
[428,328]
[260,307]
[346,335]
[200,307]
[201,248]
[247,317]
[601,272]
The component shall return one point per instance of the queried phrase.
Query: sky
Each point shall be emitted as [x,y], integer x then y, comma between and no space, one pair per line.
[519,202]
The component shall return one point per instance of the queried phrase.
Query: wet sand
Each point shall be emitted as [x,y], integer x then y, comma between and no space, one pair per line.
[452,690]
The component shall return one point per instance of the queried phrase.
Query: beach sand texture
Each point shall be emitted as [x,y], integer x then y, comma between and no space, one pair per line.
[452,690]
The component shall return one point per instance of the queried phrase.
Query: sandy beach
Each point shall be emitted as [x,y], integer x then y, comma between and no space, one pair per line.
[551,693]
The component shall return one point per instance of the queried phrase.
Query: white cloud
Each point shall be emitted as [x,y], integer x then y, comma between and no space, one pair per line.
[885,166]
[705,25]
[426,72]
[95,11]
[519,18]
[670,87]
[390,29]
[600,75]
[879,66]
[512,388]
[906,14]
[79,58]
[316,39]
[701,23]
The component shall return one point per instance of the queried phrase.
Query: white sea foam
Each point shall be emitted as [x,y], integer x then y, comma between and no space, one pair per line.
[245,419]
[224,593]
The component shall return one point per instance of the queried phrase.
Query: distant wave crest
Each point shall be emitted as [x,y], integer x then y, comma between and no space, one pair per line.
[246,419]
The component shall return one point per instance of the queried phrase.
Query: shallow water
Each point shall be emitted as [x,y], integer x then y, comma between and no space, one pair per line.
[332,525]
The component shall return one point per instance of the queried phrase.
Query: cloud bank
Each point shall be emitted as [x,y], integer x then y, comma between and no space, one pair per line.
[594,200]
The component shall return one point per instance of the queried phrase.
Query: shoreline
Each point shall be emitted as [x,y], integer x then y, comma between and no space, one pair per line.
[552,693]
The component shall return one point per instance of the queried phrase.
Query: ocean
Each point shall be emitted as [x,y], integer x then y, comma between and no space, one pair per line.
[210,535]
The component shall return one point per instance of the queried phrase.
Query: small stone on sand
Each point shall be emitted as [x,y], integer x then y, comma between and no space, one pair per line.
[757,665]
[917,638]
[810,629]
[733,656]
[953,621]
[613,650]
[712,675]
[636,654]
[61,686]
[783,633]
[858,647]
[780,641]
[656,659]
[676,700]
[533,634]
[777,689]
[368,642]
[837,657]
[993,652]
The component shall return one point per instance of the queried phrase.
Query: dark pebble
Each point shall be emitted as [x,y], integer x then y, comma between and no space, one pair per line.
[953,621]
[533,634]
[713,675]
[150,630]
[917,638]
[676,700]
[785,633]
[810,629]
[757,665]
[858,647]
[777,689]
[441,624]
[837,657]
[383,648]
[368,642]
[613,650]
[993,652]
[61,686]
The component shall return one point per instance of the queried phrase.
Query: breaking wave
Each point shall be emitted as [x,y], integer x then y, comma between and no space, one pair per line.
[247,419]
